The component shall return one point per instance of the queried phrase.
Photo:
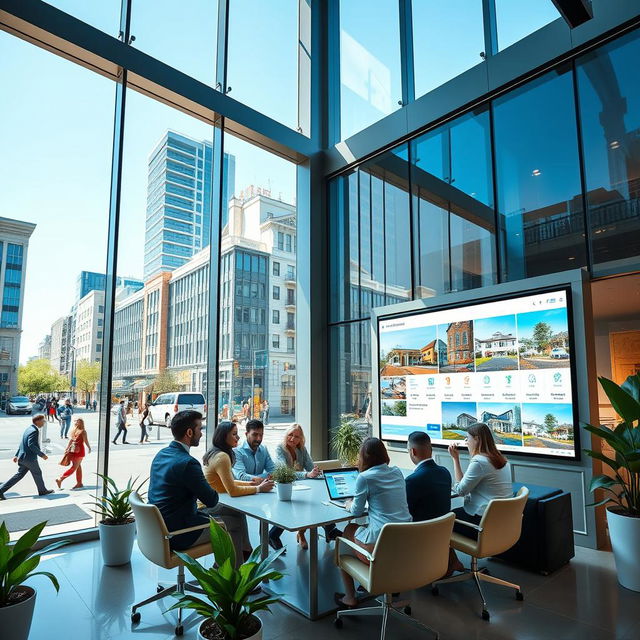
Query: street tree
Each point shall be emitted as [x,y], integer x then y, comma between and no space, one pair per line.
[88,376]
[550,422]
[542,333]
[165,382]
[38,376]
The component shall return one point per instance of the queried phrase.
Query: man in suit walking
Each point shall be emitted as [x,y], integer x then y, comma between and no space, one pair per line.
[177,482]
[429,486]
[27,458]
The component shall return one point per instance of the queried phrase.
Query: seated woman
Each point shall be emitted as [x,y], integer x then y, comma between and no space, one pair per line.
[383,488]
[217,470]
[487,477]
[294,454]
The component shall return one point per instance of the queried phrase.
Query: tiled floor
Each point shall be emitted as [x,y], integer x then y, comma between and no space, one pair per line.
[582,601]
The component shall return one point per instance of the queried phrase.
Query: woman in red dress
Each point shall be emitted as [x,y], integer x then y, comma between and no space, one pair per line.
[76,452]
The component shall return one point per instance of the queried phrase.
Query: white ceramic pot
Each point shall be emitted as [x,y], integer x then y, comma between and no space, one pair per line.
[624,533]
[256,636]
[116,542]
[284,490]
[15,620]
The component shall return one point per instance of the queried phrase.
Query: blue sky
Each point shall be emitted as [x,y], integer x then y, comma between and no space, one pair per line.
[556,318]
[485,327]
[407,338]
[451,410]
[536,412]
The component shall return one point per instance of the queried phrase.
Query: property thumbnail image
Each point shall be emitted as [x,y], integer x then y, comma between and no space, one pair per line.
[410,352]
[458,340]
[394,387]
[504,420]
[547,425]
[457,417]
[394,408]
[496,345]
[543,338]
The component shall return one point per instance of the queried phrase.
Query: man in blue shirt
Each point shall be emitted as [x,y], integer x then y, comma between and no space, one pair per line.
[252,458]
[177,482]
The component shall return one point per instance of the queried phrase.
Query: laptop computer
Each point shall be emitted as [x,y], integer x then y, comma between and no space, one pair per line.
[341,484]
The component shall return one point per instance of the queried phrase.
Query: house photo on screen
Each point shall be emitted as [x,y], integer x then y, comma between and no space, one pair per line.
[544,339]
[548,425]
[504,420]
[496,345]
[411,351]
[457,417]
[458,339]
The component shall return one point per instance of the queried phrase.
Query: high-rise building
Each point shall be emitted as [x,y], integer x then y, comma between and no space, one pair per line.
[88,330]
[179,201]
[91,281]
[14,241]
[44,348]
[61,343]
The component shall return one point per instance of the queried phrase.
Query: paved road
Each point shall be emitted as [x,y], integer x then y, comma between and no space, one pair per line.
[543,363]
[498,364]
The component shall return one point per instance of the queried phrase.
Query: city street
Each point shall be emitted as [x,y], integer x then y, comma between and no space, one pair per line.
[124,461]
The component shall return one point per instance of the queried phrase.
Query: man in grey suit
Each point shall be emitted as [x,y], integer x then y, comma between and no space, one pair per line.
[27,458]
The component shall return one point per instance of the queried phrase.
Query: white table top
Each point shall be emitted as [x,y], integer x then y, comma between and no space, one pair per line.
[306,508]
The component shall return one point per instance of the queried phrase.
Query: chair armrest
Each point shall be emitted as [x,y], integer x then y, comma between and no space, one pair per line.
[354,546]
[197,527]
[469,524]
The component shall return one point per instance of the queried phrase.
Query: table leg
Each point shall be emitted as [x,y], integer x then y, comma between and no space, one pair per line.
[313,573]
[264,538]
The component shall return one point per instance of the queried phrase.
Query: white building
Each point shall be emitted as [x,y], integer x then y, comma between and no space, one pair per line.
[89,319]
[44,348]
[499,344]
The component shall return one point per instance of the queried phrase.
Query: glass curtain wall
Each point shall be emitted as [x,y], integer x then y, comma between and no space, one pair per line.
[102,14]
[516,19]
[56,130]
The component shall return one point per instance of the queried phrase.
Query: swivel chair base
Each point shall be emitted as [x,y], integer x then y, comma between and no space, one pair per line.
[384,609]
[478,576]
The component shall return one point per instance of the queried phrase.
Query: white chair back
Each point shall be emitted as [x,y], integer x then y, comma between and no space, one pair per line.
[151,531]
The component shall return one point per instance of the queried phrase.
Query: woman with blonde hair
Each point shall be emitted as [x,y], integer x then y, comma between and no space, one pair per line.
[293,452]
[75,453]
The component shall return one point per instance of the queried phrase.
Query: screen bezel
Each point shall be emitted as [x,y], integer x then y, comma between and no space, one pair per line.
[337,470]
[566,288]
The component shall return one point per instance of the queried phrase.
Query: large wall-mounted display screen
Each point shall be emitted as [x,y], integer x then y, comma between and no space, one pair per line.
[508,363]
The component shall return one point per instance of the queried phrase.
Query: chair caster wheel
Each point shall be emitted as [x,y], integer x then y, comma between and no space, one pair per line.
[407,610]
[337,623]
[519,595]
[179,630]
[135,617]
[159,588]
[485,615]
[435,591]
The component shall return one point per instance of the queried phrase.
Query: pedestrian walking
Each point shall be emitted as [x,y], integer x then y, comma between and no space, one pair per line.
[144,436]
[52,411]
[265,413]
[74,454]
[95,405]
[66,413]
[121,423]
[27,458]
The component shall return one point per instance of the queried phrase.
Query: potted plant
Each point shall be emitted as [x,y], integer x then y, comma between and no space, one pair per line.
[347,440]
[117,527]
[18,563]
[284,476]
[228,612]
[622,488]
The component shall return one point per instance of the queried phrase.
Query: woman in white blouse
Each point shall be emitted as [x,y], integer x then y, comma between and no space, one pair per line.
[487,477]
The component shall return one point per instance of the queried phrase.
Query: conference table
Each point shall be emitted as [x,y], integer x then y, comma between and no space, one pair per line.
[309,509]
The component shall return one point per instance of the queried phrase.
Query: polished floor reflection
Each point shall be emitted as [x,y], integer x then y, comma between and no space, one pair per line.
[581,601]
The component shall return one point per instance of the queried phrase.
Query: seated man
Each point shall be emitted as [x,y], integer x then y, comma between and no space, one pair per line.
[177,482]
[253,462]
[429,486]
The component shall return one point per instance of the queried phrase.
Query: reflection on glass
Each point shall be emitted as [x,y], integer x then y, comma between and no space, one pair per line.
[258,287]
[262,68]
[516,19]
[183,37]
[448,38]
[609,96]
[104,15]
[54,187]
[538,178]
[370,83]
[472,253]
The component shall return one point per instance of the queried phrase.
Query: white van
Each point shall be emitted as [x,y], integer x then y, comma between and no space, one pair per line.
[166,405]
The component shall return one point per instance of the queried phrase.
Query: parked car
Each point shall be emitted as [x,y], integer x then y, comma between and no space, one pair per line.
[558,352]
[17,405]
[166,405]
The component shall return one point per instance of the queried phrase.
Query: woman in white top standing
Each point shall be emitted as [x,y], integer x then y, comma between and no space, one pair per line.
[487,477]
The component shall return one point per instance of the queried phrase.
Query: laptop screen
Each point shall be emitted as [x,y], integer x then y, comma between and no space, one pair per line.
[341,483]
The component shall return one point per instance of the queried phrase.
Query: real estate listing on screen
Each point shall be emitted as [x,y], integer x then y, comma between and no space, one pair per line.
[508,362]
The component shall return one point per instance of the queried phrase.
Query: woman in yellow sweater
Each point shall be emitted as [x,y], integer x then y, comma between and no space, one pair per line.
[218,462]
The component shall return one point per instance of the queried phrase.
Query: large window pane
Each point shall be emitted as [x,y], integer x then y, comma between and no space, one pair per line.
[538,178]
[258,287]
[263,57]
[610,116]
[448,38]
[370,84]
[183,36]
[516,19]
[103,14]
[54,191]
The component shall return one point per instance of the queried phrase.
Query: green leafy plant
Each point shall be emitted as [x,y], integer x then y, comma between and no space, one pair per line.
[227,589]
[347,440]
[623,487]
[113,507]
[283,474]
[18,563]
